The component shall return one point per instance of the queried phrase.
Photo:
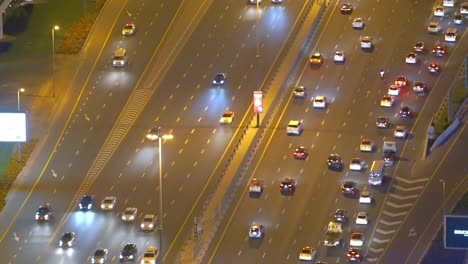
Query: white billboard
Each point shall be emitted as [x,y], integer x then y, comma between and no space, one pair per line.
[13,127]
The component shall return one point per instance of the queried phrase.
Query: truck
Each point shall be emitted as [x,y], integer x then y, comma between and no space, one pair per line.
[333,236]
[389,152]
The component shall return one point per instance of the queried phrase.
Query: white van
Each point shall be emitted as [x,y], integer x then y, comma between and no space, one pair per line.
[120,57]
[377,172]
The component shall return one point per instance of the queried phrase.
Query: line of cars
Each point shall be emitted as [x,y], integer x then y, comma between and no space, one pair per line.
[130,214]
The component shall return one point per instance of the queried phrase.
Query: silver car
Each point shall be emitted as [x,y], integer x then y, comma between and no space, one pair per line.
[148,223]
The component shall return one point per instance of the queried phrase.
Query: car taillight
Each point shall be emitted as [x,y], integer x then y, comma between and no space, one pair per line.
[349,255]
[357,255]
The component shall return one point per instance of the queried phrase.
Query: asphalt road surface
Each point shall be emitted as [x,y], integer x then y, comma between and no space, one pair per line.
[184,103]
[354,90]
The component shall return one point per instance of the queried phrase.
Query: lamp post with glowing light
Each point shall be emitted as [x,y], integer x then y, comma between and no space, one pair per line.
[20,91]
[155,133]
[54,28]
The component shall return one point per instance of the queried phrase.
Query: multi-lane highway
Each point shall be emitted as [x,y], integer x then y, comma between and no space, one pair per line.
[354,90]
[169,73]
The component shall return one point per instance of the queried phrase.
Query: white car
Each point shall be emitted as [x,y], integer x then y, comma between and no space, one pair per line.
[339,56]
[411,58]
[357,239]
[294,127]
[400,132]
[451,35]
[129,214]
[449,3]
[300,92]
[394,90]
[464,8]
[129,29]
[387,101]
[358,23]
[148,223]
[150,256]
[366,145]
[226,118]
[108,203]
[256,231]
[365,197]
[308,253]
[433,27]
[320,102]
[362,218]
[439,11]
[357,164]
[366,42]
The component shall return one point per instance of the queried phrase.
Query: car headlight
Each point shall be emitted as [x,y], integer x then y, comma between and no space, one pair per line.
[89,206]
[46,217]
[121,256]
[60,243]
[103,206]
[214,81]
[69,243]
[132,217]
[130,257]
[151,225]
[221,81]
[37,216]
[81,206]
[142,225]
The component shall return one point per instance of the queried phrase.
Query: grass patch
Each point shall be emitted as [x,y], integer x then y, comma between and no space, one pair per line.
[31,25]
[14,168]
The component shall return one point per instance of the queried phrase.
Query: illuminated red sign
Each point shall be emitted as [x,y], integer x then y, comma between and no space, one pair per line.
[258,102]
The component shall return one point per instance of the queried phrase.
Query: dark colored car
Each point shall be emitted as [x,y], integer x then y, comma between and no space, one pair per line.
[100,256]
[44,212]
[354,255]
[86,202]
[383,122]
[388,157]
[401,81]
[346,8]
[300,153]
[128,253]
[340,215]
[420,88]
[288,185]
[433,68]
[334,162]
[348,187]
[219,79]
[67,240]
[419,46]
[438,50]
[405,111]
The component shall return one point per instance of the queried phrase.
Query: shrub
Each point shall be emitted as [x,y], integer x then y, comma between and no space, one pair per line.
[14,169]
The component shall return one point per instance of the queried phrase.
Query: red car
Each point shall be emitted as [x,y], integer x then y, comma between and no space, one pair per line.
[401,81]
[433,67]
[300,153]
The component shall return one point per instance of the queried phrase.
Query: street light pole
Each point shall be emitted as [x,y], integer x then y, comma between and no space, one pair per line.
[54,28]
[257,53]
[20,90]
[443,197]
[153,135]
[160,196]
